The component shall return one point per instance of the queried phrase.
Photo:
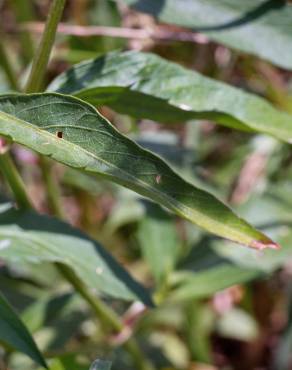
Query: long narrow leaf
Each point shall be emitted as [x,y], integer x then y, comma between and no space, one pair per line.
[147,86]
[74,133]
[14,334]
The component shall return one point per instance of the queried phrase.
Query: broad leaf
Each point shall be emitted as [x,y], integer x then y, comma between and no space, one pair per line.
[75,134]
[259,27]
[34,238]
[145,85]
[14,334]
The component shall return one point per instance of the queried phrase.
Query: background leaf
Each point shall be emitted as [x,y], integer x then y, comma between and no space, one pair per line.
[15,335]
[259,27]
[159,241]
[131,83]
[35,238]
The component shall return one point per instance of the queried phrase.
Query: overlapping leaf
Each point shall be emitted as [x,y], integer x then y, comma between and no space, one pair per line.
[145,85]
[14,334]
[74,133]
[28,237]
[259,27]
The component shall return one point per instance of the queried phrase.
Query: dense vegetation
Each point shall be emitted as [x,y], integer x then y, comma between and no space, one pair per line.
[145,184]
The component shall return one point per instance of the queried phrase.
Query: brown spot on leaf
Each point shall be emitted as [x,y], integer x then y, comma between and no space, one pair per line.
[59,134]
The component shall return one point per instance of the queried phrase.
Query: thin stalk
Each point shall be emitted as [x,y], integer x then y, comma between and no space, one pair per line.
[34,84]
[23,11]
[40,62]
[7,65]
[108,317]
[11,174]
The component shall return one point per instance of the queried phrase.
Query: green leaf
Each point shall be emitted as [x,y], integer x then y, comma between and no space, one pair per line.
[238,324]
[14,334]
[204,272]
[147,86]
[202,284]
[259,27]
[34,238]
[75,134]
[159,241]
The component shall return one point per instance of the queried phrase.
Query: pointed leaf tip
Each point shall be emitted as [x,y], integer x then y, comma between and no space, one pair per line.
[92,144]
[261,245]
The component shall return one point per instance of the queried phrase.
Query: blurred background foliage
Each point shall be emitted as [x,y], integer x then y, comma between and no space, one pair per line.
[217,306]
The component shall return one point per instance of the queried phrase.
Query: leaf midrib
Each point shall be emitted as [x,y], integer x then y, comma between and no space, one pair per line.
[178,206]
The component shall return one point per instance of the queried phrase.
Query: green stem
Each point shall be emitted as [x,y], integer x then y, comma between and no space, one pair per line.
[34,84]
[6,64]
[14,180]
[40,62]
[108,317]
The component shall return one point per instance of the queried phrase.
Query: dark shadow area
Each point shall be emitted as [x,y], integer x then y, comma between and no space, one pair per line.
[203,257]
[153,7]
[74,83]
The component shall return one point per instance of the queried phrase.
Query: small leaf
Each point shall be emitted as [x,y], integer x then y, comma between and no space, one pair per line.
[251,26]
[147,86]
[91,143]
[35,238]
[14,334]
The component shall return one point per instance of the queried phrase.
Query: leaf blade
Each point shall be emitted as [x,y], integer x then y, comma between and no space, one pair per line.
[130,82]
[87,143]
[15,334]
[37,238]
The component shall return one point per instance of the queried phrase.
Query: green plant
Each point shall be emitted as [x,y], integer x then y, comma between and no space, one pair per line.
[61,124]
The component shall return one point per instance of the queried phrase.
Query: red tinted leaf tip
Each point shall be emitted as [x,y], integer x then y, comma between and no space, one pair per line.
[264,244]
[3,146]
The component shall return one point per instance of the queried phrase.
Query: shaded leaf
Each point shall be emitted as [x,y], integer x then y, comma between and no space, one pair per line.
[159,241]
[35,238]
[75,134]
[259,27]
[147,86]
[204,283]
[14,334]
